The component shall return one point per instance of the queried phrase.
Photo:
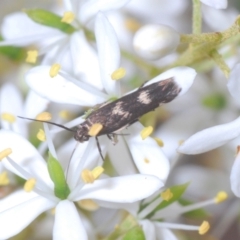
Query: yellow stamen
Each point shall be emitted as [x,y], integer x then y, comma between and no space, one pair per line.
[53,210]
[97,171]
[180,142]
[88,205]
[204,228]
[8,117]
[68,17]
[95,129]
[221,196]
[146,132]
[54,70]
[132,25]
[118,74]
[41,135]
[64,114]
[44,116]
[159,142]
[87,176]
[167,195]
[5,153]
[4,179]
[146,160]
[29,184]
[32,56]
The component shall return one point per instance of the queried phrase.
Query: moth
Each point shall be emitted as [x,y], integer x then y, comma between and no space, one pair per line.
[121,113]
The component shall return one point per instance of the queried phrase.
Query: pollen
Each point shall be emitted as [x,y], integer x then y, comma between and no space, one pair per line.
[221,196]
[44,116]
[41,135]
[204,228]
[5,153]
[54,70]
[146,160]
[146,132]
[68,17]
[97,171]
[118,74]
[132,25]
[64,114]
[32,56]
[8,117]
[87,176]
[4,179]
[29,184]
[166,195]
[95,129]
[159,142]
[88,205]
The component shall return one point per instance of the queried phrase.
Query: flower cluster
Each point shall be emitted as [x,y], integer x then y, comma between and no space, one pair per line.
[98,69]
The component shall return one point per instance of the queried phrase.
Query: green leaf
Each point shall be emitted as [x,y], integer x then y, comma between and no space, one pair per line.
[198,213]
[215,101]
[135,233]
[56,173]
[49,19]
[14,53]
[177,192]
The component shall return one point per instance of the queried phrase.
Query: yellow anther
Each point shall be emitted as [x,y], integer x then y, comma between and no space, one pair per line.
[68,17]
[5,153]
[132,25]
[64,114]
[4,179]
[146,160]
[146,132]
[41,135]
[159,142]
[32,56]
[221,196]
[29,184]
[44,116]
[167,195]
[88,205]
[97,171]
[95,129]
[8,117]
[53,211]
[54,70]
[180,142]
[204,228]
[87,176]
[118,74]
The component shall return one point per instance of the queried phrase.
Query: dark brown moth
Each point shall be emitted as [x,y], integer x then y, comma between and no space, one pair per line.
[123,112]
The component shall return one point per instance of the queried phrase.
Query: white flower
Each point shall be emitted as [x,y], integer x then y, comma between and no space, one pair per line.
[27,163]
[219,135]
[155,41]
[218,4]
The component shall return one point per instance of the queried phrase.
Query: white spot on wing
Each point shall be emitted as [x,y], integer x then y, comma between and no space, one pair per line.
[144,97]
[119,111]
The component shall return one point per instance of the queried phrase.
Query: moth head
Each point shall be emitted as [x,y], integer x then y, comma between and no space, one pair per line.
[81,134]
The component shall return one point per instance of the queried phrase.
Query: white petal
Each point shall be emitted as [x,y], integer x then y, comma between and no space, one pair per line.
[92,7]
[68,224]
[121,189]
[147,155]
[24,154]
[234,177]
[234,82]
[14,31]
[108,53]
[15,219]
[59,89]
[183,76]
[211,138]
[148,229]
[85,60]
[218,4]
[164,233]
[34,104]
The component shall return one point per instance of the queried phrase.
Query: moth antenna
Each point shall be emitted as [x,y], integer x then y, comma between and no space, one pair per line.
[99,149]
[55,124]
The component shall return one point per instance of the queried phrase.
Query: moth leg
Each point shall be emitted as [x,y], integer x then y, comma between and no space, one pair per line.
[99,148]
[113,138]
